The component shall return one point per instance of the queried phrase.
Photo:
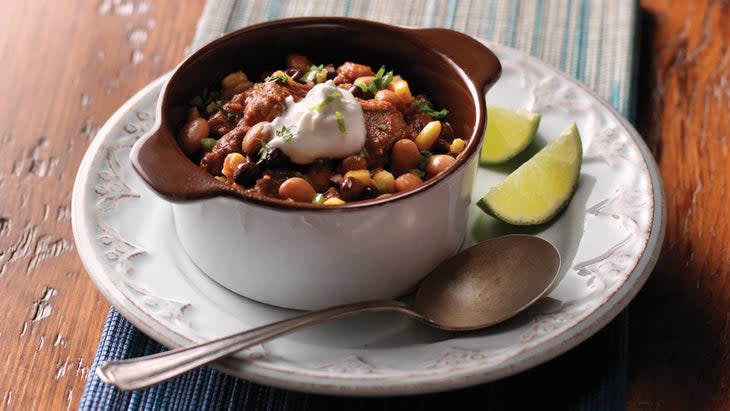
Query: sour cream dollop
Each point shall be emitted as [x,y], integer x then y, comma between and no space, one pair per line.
[327,123]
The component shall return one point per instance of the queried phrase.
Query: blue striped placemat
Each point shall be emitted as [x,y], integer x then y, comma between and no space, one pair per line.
[592,40]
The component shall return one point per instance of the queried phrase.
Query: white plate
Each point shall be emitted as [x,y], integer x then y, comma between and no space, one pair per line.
[609,238]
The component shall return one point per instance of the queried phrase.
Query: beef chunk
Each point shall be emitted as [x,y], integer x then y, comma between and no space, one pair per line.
[417,121]
[212,161]
[384,125]
[265,102]
[348,72]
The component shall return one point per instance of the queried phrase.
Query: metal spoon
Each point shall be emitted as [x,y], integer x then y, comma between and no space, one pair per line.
[479,287]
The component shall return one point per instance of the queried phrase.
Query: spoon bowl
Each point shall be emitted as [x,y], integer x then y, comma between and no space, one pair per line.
[478,287]
[488,283]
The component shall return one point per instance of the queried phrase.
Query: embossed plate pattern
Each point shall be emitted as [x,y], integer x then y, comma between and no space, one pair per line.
[609,238]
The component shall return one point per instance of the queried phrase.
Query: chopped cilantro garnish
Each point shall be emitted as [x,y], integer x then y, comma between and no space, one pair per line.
[417,172]
[207,100]
[208,144]
[427,108]
[311,74]
[383,126]
[230,116]
[340,122]
[425,155]
[283,78]
[286,133]
[329,99]
[363,153]
[381,81]
[263,151]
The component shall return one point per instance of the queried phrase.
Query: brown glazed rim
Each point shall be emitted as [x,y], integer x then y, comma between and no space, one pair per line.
[162,165]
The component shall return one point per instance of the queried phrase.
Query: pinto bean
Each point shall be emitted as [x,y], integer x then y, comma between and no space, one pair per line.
[392,98]
[438,163]
[298,62]
[297,189]
[405,156]
[352,163]
[407,182]
[252,140]
[192,135]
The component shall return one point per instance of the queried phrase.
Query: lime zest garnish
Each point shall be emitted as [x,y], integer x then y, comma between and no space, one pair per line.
[340,122]
[327,100]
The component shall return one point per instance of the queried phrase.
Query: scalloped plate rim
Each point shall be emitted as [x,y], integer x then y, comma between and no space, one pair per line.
[567,339]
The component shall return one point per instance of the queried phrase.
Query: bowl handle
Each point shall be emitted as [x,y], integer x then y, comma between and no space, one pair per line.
[476,60]
[162,165]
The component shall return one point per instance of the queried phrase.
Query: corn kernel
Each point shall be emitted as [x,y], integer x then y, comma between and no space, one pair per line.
[361,175]
[425,139]
[279,73]
[401,89]
[395,79]
[233,79]
[333,201]
[321,76]
[457,146]
[232,161]
[384,181]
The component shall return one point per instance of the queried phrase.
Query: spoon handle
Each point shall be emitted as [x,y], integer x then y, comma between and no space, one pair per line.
[143,372]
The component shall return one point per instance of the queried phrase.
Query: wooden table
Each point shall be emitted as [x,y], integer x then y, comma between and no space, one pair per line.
[68,65]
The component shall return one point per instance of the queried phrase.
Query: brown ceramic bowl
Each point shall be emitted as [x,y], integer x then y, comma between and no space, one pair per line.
[300,255]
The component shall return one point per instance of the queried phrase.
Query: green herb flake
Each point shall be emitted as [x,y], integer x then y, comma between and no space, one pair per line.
[281,79]
[427,108]
[207,101]
[318,199]
[208,144]
[311,74]
[327,100]
[425,155]
[263,151]
[213,106]
[365,87]
[230,116]
[381,81]
[286,133]
[417,172]
[363,153]
[385,80]
[383,126]
[340,122]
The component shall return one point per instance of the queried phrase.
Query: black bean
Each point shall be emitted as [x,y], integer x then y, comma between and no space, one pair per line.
[447,132]
[246,174]
[357,92]
[440,146]
[369,192]
[351,189]
[273,158]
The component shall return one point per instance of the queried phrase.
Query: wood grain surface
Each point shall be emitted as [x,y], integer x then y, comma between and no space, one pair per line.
[679,327]
[68,65]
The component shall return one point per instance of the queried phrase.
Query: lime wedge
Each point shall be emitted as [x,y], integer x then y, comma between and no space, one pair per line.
[509,131]
[541,187]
